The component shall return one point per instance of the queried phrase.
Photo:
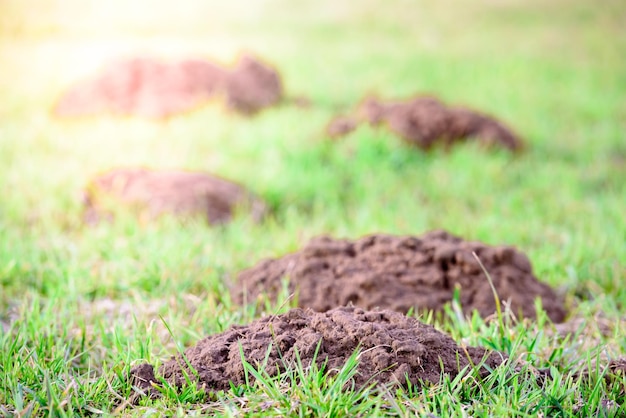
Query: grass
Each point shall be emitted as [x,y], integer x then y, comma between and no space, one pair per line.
[79,306]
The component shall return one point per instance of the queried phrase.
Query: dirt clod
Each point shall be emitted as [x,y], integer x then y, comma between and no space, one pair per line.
[142,376]
[142,379]
[400,273]
[152,88]
[155,192]
[393,348]
[426,122]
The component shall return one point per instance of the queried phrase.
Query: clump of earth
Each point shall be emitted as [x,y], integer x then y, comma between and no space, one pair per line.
[155,192]
[426,122]
[394,349]
[401,273]
[153,88]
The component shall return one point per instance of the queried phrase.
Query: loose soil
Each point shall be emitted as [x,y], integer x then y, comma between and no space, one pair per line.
[426,122]
[155,89]
[393,347]
[400,273]
[155,192]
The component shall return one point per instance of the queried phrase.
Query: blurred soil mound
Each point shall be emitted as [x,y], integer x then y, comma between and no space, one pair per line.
[426,122]
[154,192]
[151,88]
[400,273]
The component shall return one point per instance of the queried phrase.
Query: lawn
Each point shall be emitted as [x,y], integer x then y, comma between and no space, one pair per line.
[80,305]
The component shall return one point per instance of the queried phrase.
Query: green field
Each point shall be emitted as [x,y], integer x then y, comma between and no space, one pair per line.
[80,305]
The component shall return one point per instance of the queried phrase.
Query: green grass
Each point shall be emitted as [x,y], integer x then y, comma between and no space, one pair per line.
[79,306]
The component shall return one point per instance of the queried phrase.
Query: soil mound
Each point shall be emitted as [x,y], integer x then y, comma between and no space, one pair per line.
[155,89]
[400,273]
[426,122]
[154,192]
[394,348]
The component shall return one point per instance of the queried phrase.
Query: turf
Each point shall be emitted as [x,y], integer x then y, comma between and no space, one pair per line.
[79,306]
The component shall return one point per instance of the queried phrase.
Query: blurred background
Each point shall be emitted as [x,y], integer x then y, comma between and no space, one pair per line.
[47,44]
[554,71]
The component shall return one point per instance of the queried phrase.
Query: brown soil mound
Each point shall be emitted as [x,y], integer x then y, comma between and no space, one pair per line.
[426,121]
[400,273]
[393,348]
[154,192]
[155,89]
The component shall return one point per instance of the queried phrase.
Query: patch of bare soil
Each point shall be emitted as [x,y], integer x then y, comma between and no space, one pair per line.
[426,122]
[152,88]
[393,347]
[400,273]
[155,192]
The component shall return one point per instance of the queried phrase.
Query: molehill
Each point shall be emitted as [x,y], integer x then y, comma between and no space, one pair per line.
[425,121]
[154,192]
[393,347]
[400,273]
[152,88]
